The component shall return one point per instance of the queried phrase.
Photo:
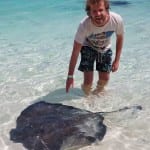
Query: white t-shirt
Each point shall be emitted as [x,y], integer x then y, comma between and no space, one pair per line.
[98,38]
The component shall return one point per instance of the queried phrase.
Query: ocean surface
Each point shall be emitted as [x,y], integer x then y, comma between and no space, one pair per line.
[36,38]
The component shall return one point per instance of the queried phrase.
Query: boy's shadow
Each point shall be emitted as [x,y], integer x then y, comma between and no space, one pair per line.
[60,95]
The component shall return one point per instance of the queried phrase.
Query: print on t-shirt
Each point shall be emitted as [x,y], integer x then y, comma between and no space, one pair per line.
[99,40]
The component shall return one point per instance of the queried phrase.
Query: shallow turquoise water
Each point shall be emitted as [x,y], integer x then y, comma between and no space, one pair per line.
[35,45]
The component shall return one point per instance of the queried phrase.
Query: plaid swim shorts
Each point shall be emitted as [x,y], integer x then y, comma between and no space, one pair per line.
[89,56]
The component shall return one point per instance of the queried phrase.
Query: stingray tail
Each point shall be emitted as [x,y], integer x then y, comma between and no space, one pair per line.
[135,107]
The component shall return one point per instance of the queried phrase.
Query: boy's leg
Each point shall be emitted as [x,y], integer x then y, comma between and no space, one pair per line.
[103,66]
[102,82]
[87,83]
[88,57]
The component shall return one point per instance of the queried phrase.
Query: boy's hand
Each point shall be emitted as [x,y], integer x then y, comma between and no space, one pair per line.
[115,66]
[69,83]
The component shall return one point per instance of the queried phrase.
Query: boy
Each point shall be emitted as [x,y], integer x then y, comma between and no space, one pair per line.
[92,39]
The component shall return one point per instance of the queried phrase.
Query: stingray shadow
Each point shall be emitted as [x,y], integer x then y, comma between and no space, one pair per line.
[119,3]
[60,95]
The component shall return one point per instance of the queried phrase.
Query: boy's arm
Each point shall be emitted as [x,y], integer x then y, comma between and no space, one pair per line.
[73,60]
[119,44]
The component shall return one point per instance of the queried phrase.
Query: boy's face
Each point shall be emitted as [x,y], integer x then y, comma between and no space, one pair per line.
[99,14]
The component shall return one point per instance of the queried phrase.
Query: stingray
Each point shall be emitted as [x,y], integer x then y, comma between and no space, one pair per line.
[49,126]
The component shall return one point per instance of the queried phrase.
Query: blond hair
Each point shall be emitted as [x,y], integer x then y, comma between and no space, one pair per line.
[91,2]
